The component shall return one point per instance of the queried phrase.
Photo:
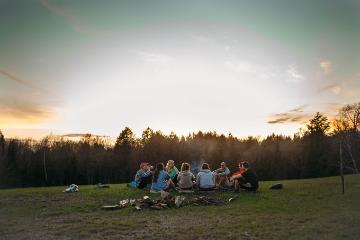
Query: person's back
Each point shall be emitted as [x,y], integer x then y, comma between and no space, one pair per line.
[173,172]
[141,173]
[143,176]
[185,179]
[205,179]
[160,183]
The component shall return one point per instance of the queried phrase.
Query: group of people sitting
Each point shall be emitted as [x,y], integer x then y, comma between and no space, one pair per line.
[169,177]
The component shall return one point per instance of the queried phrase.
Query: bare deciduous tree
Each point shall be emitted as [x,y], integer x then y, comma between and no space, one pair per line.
[347,125]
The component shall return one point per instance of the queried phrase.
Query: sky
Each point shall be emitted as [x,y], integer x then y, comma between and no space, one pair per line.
[245,67]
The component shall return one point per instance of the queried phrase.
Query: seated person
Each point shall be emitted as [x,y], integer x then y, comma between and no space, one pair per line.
[205,179]
[248,177]
[172,171]
[185,178]
[143,176]
[222,174]
[241,170]
[161,179]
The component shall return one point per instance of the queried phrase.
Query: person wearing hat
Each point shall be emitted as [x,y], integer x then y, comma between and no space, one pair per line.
[143,175]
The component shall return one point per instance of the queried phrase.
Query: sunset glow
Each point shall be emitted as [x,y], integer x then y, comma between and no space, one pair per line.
[245,67]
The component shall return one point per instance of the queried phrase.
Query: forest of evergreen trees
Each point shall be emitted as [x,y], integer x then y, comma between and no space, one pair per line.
[54,160]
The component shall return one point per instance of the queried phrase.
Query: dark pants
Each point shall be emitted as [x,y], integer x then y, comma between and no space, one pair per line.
[206,189]
[252,188]
[145,181]
[174,180]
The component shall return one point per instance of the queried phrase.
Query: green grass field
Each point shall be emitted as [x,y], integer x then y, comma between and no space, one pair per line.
[304,209]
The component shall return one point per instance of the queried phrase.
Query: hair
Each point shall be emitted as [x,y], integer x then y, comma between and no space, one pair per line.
[159,167]
[205,166]
[185,166]
[170,163]
[245,164]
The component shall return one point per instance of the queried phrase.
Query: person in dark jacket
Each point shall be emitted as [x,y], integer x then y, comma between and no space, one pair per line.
[143,175]
[248,180]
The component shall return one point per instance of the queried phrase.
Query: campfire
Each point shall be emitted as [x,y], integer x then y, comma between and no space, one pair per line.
[167,201]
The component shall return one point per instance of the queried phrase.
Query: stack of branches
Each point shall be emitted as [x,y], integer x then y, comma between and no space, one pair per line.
[167,201]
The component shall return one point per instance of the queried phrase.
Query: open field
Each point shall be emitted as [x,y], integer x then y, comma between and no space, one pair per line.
[304,209]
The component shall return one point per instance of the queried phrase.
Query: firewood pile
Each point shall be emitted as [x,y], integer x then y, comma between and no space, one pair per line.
[167,201]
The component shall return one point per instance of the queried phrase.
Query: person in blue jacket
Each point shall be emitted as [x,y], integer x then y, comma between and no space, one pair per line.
[205,179]
[161,179]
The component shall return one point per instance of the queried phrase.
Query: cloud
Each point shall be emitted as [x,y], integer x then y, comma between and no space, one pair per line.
[332,109]
[265,71]
[79,135]
[293,75]
[334,88]
[326,66]
[242,66]
[30,89]
[25,103]
[296,115]
[71,19]
[18,80]
[299,109]
[14,112]
[154,57]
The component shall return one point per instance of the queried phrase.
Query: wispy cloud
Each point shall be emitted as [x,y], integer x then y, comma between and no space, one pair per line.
[299,109]
[266,71]
[13,77]
[26,108]
[17,111]
[71,19]
[326,66]
[76,135]
[296,115]
[31,86]
[242,66]
[293,75]
[154,57]
[334,88]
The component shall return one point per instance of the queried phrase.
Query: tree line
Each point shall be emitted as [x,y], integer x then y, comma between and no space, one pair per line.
[55,160]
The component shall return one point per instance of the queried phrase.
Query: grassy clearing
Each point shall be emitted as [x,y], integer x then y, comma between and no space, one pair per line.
[304,209]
